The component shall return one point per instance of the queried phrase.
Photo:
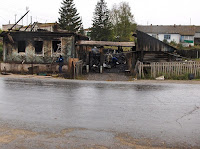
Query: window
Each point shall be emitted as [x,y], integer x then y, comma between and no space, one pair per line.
[21,46]
[187,39]
[154,35]
[167,37]
[56,46]
[38,47]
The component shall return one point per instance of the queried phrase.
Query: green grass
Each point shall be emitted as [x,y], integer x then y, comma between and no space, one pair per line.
[170,77]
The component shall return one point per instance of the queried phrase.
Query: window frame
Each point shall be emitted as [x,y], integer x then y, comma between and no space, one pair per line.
[167,35]
[39,53]
[20,51]
[52,48]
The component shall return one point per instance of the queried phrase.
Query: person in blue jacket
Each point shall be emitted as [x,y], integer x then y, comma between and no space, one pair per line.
[114,61]
[61,62]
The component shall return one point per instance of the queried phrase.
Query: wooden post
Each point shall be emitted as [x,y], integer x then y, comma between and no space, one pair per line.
[139,67]
[101,60]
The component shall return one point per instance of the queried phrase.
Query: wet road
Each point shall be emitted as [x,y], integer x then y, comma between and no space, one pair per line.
[36,113]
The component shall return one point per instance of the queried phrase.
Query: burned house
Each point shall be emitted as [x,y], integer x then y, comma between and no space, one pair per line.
[37,50]
[106,56]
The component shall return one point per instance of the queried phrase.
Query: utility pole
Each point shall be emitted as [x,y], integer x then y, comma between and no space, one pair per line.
[27,9]
[31,20]
[15,19]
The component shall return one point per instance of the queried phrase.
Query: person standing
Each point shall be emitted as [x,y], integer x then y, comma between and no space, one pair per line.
[61,62]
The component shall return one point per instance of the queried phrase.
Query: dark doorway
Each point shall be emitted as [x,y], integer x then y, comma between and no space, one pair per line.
[38,47]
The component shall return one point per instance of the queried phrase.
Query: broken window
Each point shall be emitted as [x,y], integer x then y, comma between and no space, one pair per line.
[21,46]
[56,46]
[38,47]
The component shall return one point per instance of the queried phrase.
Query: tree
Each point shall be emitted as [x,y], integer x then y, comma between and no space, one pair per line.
[101,29]
[81,31]
[69,18]
[123,22]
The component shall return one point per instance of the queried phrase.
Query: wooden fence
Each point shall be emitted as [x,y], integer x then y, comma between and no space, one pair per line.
[78,68]
[156,69]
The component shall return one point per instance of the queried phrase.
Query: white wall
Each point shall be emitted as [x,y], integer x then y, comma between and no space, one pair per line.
[174,37]
[177,38]
[191,38]
[8,26]
[197,35]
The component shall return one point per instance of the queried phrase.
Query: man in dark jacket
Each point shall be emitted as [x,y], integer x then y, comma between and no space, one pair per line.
[61,62]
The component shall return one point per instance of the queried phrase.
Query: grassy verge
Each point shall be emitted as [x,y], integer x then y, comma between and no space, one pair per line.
[186,76]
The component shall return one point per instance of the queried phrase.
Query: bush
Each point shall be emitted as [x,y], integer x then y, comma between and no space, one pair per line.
[173,44]
[165,41]
[180,46]
[180,77]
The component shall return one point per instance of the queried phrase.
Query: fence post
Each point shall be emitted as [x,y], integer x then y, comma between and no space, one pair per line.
[139,67]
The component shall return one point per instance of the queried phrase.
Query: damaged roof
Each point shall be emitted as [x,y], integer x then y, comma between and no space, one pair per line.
[106,43]
[43,34]
[170,29]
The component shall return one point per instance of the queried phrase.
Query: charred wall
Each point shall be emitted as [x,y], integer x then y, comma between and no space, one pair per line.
[37,47]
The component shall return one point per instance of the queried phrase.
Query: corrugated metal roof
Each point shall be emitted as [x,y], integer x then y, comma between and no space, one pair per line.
[106,43]
[171,29]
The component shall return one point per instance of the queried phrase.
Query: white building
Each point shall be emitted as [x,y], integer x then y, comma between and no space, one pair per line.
[40,26]
[186,35]
[6,27]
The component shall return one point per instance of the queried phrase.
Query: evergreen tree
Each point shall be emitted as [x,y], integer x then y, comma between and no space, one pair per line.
[101,29]
[81,31]
[69,18]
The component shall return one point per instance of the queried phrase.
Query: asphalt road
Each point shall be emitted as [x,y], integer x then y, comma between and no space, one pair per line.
[60,114]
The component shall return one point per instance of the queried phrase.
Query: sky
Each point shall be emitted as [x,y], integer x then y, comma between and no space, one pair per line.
[146,12]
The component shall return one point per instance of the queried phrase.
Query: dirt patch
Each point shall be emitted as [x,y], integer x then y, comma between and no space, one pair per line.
[142,143]
[108,77]
[105,77]
[8,135]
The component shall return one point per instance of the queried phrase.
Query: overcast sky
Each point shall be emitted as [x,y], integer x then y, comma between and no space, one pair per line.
[156,12]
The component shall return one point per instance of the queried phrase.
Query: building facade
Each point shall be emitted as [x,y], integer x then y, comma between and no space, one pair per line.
[185,35]
[39,48]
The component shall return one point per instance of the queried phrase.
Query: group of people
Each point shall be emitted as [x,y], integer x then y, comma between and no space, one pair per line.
[60,61]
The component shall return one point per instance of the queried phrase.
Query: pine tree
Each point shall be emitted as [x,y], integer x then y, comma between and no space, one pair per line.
[81,31]
[101,29]
[69,18]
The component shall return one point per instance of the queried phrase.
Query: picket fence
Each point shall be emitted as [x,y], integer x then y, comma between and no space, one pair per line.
[155,69]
